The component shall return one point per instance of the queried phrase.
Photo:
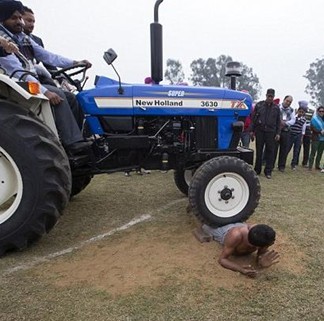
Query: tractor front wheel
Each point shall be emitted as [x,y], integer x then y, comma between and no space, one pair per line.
[224,190]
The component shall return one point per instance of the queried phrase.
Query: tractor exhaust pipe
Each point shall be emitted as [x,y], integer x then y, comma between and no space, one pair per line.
[156,46]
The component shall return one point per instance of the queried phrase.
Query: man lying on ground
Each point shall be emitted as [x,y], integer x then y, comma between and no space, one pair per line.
[243,239]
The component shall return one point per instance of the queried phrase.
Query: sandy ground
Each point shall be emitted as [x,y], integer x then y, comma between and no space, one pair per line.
[152,257]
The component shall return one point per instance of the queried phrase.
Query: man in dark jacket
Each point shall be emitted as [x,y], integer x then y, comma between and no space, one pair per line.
[265,127]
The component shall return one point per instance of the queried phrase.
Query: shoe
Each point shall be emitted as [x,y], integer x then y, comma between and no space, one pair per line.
[318,168]
[281,170]
[268,176]
[322,171]
[293,168]
[78,147]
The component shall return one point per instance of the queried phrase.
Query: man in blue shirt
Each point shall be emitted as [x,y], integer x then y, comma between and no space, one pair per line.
[11,28]
[29,24]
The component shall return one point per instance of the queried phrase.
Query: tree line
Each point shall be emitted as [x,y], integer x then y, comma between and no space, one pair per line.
[211,72]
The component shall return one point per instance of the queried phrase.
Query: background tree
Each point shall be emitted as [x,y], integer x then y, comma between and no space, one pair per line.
[211,72]
[174,72]
[249,81]
[315,77]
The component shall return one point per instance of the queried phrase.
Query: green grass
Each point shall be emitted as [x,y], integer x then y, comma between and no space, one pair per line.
[292,202]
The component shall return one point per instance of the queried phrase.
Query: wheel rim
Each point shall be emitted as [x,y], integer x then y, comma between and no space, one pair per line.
[11,186]
[227,194]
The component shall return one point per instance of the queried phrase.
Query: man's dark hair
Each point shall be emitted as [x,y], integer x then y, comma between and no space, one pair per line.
[261,235]
[8,7]
[26,9]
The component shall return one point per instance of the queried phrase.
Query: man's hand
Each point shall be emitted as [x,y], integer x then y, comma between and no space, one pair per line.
[249,271]
[8,46]
[252,136]
[268,258]
[86,62]
[277,137]
[54,98]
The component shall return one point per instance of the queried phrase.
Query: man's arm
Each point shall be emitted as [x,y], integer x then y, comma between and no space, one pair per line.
[229,247]
[292,119]
[11,64]
[278,123]
[7,47]
[254,117]
[52,59]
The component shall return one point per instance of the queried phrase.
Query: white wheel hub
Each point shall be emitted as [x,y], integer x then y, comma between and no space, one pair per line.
[11,186]
[227,194]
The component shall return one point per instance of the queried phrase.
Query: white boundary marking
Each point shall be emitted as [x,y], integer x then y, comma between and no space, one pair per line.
[47,258]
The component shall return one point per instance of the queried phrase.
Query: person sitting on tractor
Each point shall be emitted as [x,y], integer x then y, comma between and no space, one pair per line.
[22,64]
[45,79]
[243,239]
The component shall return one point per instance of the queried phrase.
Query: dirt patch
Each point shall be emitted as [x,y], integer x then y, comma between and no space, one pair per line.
[154,257]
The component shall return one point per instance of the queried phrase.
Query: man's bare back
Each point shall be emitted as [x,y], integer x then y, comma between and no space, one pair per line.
[239,237]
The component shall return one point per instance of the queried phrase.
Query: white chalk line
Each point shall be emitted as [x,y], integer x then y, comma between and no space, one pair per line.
[47,258]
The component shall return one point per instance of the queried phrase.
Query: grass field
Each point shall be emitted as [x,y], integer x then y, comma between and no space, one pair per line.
[156,269]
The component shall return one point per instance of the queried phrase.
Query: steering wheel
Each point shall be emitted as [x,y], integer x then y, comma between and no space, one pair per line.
[68,74]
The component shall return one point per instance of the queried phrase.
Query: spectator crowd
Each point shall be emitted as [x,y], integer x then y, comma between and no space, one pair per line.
[279,129]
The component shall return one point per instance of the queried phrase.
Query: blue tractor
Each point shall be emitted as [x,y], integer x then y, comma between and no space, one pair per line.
[194,131]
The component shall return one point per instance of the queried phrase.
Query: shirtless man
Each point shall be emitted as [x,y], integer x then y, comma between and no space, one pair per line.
[243,239]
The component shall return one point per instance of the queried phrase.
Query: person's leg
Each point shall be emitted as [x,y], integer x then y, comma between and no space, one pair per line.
[284,142]
[306,148]
[259,144]
[263,156]
[297,144]
[75,107]
[65,122]
[269,152]
[290,144]
[312,154]
[319,154]
[277,147]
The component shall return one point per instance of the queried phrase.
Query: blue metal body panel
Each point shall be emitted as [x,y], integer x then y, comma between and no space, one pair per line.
[165,100]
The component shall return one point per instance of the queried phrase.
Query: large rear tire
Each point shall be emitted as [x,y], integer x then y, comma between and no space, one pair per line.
[35,178]
[224,190]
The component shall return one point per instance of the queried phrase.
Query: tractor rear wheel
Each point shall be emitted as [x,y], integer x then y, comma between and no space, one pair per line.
[224,190]
[35,178]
